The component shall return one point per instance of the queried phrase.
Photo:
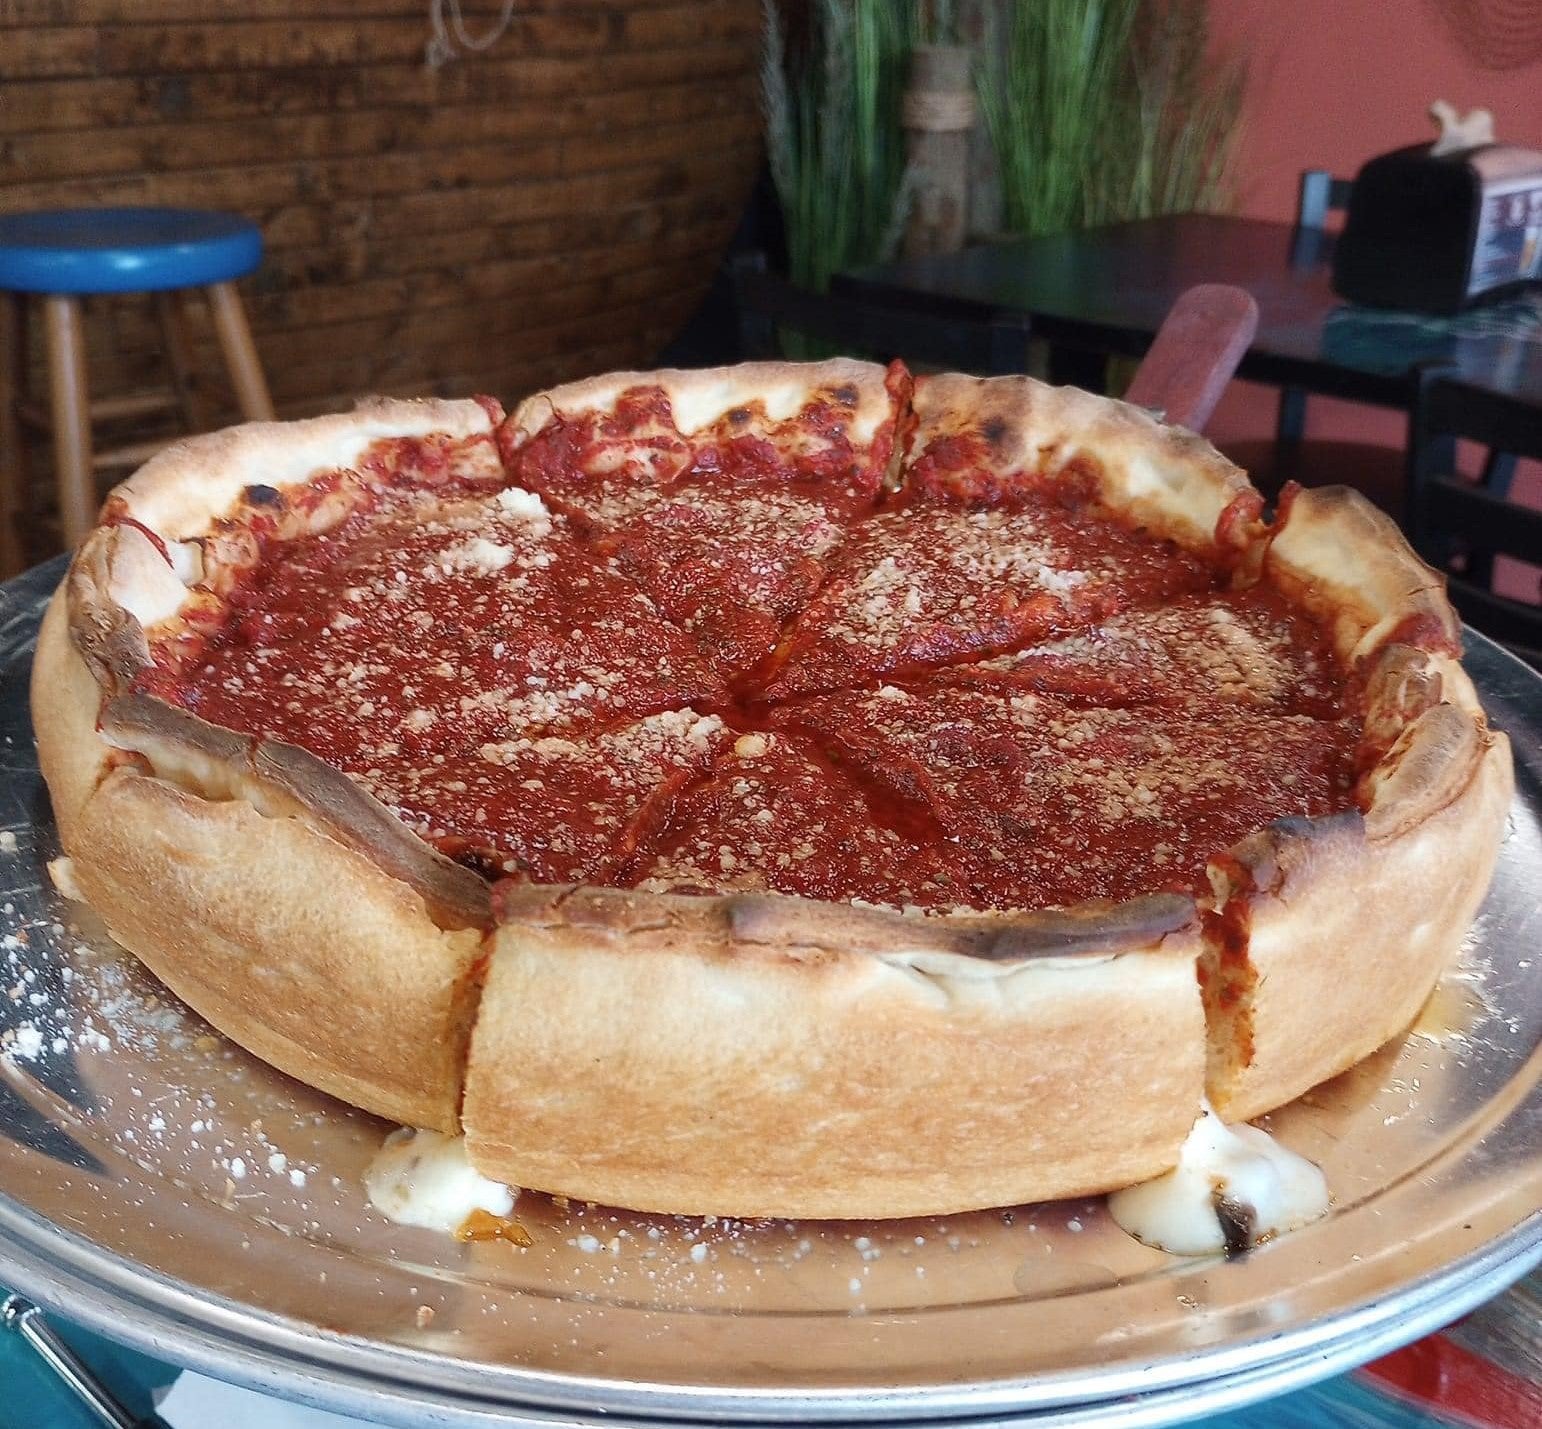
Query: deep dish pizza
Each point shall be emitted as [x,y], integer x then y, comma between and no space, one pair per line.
[784,789]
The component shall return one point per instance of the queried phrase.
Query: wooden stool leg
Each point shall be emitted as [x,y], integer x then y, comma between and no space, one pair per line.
[71,416]
[171,309]
[240,353]
[14,473]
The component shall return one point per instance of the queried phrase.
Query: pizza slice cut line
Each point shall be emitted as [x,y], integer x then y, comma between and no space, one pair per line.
[776,814]
[919,587]
[1004,530]
[1023,787]
[1200,652]
[552,809]
[724,500]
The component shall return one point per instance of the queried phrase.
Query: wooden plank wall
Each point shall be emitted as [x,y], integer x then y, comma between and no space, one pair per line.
[551,207]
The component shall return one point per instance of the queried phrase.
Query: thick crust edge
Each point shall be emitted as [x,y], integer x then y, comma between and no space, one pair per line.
[721,1072]
[1161,477]
[699,397]
[1347,562]
[1350,921]
[298,948]
[180,490]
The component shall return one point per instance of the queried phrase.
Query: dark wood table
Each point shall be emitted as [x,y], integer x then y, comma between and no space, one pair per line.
[1105,290]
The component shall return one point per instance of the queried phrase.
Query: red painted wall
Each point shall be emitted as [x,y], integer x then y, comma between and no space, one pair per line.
[1332,82]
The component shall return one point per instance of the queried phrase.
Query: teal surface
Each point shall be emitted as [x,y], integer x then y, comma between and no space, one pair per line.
[31,1398]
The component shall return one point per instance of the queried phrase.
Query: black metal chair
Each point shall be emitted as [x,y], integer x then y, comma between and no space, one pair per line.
[1320,194]
[1459,525]
[769,305]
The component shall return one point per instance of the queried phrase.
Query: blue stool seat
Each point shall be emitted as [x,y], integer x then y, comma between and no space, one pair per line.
[56,259]
[124,250]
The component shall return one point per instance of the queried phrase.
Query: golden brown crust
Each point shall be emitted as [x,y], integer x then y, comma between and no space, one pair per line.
[1160,477]
[300,949]
[180,490]
[705,1073]
[699,397]
[1347,562]
[65,700]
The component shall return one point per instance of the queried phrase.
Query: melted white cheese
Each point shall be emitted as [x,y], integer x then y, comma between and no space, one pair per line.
[61,871]
[1267,1190]
[423,1178]
[516,501]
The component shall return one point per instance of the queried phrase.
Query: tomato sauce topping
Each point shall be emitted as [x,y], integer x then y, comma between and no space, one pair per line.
[933,584]
[553,809]
[422,627]
[637,443]
[732,660]
[1043,803]
[776,816]
[1225,647]
[728,528]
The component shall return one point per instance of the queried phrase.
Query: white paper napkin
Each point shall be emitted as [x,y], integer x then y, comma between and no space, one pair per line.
[194,1402]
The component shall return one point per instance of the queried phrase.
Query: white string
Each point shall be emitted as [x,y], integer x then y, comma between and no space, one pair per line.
[441,47]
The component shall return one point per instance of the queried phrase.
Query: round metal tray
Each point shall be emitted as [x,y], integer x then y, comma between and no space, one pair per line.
[166,1188]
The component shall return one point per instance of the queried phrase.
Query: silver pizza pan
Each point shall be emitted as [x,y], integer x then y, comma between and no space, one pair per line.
[171,1191]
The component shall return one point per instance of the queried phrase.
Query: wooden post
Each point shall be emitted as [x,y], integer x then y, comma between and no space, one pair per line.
[938,115]
[71,416]
[171,310]
[15,476]
[240,353]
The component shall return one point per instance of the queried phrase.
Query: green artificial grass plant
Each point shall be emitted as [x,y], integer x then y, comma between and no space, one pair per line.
[833,132]
[1101,110]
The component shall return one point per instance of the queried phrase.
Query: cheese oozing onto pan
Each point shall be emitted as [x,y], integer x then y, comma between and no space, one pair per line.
[423,1178]
[1233,1187]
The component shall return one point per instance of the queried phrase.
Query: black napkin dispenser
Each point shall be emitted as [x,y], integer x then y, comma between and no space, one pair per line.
[1441,233]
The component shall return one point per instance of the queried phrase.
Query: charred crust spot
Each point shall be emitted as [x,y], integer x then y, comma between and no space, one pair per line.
[1239,1223]
[845,394]
[994,430]
[738,416]
[486,863]
[263,496]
